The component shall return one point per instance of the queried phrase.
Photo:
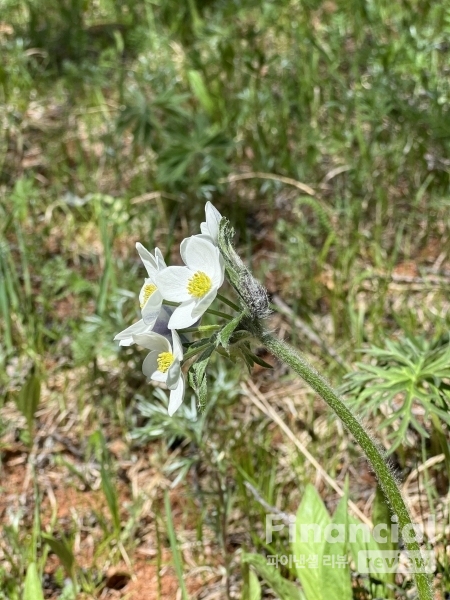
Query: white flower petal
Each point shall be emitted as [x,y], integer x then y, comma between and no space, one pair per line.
[201,255]
[213,218]
[177,345]
[149,318]
[160,259]
[150,364]
[126,336]
[203,304]
[206,237]
[172,282]
[173,374]
[149,261]
[183,249]
[176,397]
[159,376]
[217,273]
[152,308]
[204,229]
[182,315]
[153,341]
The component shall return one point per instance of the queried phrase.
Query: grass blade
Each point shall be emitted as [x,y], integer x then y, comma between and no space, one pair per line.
[177,561]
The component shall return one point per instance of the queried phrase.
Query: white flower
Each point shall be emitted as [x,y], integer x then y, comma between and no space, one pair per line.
[150,298]
[163,364]
[210,229]
[194,285]
[125,337]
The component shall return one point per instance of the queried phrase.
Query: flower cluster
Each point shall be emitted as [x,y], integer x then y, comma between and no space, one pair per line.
[175,298]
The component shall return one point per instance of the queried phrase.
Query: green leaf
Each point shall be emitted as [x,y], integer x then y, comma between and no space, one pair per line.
[381,514]
[197,378]
[336,580]
[254,591]
[197,346]
[111,498]
[29,398]
[33,587]
[177,559]
[200,90]
[223,337]
[311,511]
[284,588]
[256,359]
[363,540]
[62,550]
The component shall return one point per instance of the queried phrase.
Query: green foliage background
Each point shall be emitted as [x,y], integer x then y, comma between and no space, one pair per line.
[120,119]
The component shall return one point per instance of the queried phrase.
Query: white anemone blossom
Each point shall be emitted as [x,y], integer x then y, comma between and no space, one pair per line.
[194,285]
[210,229]
[163,364]
[154,318]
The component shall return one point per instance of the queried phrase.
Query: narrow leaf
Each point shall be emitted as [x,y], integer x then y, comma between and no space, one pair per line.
[223,336]
[33,587]
[111,497]
[309,541]
[200,91]
[284,588]
[62,550]
[177,561]
[335,571]
[254,591]
[29,397]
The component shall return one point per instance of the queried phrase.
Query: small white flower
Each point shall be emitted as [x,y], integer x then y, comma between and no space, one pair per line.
[210,229]
[125,337]
[163,364]
[150,298]
[194,285]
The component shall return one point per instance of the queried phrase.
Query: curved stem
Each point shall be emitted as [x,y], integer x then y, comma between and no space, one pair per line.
[374,455]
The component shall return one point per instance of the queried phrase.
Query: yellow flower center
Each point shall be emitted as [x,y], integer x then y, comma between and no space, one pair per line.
[149,289]
[164,360]
[199,284]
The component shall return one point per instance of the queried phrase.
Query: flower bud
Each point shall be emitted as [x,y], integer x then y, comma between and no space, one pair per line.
[253,295]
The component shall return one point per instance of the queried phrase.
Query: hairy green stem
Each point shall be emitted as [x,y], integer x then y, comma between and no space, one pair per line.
[374,455]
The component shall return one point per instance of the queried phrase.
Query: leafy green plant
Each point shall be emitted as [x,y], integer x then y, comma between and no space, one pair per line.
[63,550]
[320,580]
[196,155]
[351,99]
[408,374]
[147,116]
